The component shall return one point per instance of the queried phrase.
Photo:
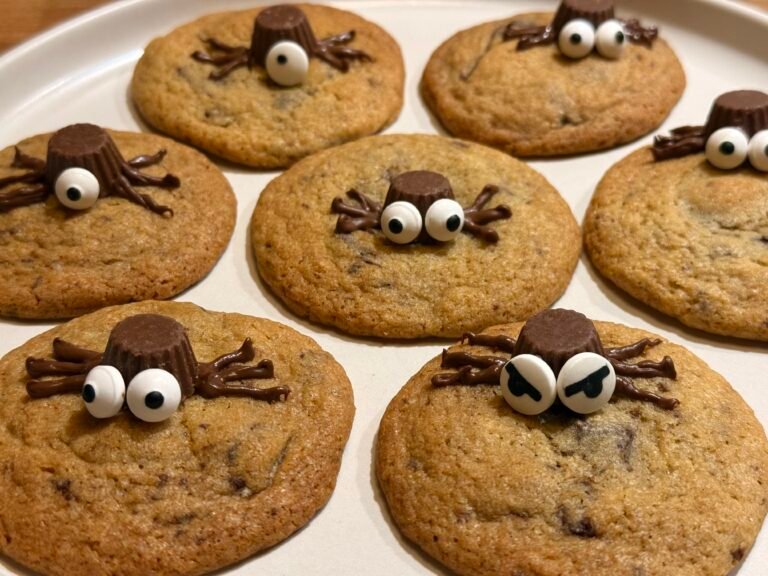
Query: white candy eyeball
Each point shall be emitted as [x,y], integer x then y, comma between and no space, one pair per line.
[727,148]
[77,188]
[287,63]
[444,220]
[577,38]
[104,391]
[528,384]
[401,222]
[586,383]
[153,395]
[610,39]
[758,151]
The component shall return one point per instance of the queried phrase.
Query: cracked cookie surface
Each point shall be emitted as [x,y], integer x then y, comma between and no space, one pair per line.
[364,284]
[245,118]
[537,102]
[220,480]
[686,238]
[59,263]
[632,490]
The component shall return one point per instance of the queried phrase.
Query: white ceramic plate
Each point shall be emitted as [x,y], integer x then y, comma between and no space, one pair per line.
[81,72]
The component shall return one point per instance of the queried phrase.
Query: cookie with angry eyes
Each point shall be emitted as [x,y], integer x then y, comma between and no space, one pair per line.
[160,438]
[683,226]
[544,84]
[268,86]
[92,217]
[410,236]
[666,475]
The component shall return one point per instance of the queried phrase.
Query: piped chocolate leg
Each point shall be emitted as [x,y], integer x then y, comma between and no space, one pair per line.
[353,218]
[140,179]
[232,58]
[626,387]
[333,51]
[647,369]
[503,343]
[124,189]
[476,217]
[39,367]
[528,35]
[640,34]
[21,160]
[461,359]
[245,353]
[23,197]
[262,371]
[469,376]
[65,351]
[46,388]
[632,350]
[146,160]
[214,386]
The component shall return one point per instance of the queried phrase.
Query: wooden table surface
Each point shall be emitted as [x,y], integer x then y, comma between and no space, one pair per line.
[24,18]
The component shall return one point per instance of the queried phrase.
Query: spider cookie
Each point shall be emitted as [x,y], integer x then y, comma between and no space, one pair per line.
[683,226]
[544,84]
[266,87]
[91,217]
[410,236]
[566,446]
[159,438]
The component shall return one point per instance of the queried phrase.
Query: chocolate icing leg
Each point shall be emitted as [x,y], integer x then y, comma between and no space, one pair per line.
[353,218]
[503,343]
[628,389]
[476,218]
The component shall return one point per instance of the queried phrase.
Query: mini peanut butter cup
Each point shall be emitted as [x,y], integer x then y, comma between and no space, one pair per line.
[152,341]
[745,109]
[595,11]
[84,146]
[276,24]
[558,335]
[421,188]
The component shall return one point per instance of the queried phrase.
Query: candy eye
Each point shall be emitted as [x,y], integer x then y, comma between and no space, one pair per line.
[610,39]
[104,391]
[727,148]
[758,151]
[401,222]
[153,395]
[444,220]
[287,63]
[77,188]
[577,38]
[586,383]
[528,384]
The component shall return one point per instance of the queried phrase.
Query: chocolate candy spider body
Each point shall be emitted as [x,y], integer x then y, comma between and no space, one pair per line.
[282,43]
[557,354]
[736,131]
[84,164]
[420,207]
[149,365]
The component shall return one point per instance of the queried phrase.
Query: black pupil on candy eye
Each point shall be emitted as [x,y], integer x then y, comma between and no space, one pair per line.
[395,226]
[154,400]
[592,385]
[727,148]
[519,386]
[74,194]
[620,37]
[282,59]
[575,38]
[453,223]
[89,394]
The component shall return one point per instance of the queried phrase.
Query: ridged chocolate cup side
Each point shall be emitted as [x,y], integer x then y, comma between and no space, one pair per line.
[595,11]
[278,23]
[745,109]
[84,146]
[557,335]
[152,341]
[422,189]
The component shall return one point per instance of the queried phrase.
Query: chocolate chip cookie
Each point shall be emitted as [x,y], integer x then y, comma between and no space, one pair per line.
[409,236]
[172,480]
[544,84]
[268,86]
[92,217]
[634,488]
